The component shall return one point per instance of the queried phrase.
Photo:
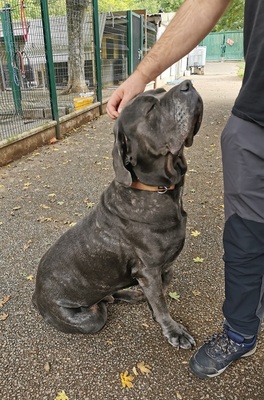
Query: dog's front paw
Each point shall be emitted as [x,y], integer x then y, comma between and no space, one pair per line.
[180,338]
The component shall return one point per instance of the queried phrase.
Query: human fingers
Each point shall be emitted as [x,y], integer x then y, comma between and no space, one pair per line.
[113,104]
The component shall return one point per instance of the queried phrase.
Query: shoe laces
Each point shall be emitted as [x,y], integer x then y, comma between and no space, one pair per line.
[220,343]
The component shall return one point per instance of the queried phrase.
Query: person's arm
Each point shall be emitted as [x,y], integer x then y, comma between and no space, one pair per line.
[192,22]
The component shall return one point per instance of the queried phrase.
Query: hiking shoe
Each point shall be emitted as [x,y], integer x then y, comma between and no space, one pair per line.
[219,352]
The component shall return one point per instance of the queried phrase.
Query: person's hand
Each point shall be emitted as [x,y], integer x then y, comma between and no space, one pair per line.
[134,85]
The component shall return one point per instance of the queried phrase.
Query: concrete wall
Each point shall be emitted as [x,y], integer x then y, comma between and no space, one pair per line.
[22,144]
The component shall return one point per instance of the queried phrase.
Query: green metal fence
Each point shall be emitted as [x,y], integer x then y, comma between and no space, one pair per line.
[24,95]
[56,57]
[226,45]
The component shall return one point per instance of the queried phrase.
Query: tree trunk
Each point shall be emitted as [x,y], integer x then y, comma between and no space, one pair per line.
[76,11]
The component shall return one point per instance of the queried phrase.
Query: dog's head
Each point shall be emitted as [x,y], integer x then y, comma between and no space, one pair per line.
[151,132]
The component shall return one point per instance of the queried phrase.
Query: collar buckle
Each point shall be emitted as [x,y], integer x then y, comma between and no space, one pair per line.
[162,189]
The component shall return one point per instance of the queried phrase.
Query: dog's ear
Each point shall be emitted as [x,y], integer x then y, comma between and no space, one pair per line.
[123,176]
[198,116]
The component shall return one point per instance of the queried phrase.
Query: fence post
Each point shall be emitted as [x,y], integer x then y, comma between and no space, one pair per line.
[10,55]
[97,49]
[129,42]
[50,66]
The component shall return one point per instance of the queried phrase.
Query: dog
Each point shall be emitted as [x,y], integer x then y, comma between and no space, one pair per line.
[134,234]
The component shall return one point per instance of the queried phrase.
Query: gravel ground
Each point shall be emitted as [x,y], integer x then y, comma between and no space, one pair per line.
[45,192]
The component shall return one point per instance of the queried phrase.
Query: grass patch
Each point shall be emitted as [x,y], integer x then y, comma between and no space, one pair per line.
[241,70]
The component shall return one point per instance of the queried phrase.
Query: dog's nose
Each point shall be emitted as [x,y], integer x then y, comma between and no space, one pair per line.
[185,86]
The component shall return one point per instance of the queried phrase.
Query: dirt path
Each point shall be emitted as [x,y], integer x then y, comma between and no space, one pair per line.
[41,195]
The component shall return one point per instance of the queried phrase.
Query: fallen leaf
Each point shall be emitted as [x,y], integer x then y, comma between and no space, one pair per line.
[4,300]
[90,205]
[30,278]
[61,396]
[17,208]
[196,292]
[174,295]
[145,325]
[26,246]
[53,140]
[126,379]
[135,371]
[195,233]
[178,396]
[27,184]
[44,219]
[144,368]
[198,260]
[52,195]
[3,316]
[44,206]
[47,366]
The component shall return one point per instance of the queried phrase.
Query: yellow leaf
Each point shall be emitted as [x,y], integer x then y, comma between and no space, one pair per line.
[90,205]
[195,233]
[44,206]
[30,277]
[135,371]
[61,396]
[178,396]
[4,300]
[27,184]
[3,316]
[126,379]
[198,260]
[47,366]
[174,295]
[196,292]
[144,368]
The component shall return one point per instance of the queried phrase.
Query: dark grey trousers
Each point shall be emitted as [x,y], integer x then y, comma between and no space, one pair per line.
[243,169]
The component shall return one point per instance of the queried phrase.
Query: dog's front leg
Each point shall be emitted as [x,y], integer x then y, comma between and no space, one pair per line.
[176,333]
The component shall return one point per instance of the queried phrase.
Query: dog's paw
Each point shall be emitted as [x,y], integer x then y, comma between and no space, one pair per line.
[180,338]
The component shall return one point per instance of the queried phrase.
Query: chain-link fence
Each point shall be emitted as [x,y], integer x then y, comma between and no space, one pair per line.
[24,96]
[48,58]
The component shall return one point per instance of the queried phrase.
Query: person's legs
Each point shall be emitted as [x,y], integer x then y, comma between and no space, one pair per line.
[243,169]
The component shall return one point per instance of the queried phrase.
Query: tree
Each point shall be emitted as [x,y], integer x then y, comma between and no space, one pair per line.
[233,19]
[76,11]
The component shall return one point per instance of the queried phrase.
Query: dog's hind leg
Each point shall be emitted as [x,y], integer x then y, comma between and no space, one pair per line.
[130,295]
[77,320]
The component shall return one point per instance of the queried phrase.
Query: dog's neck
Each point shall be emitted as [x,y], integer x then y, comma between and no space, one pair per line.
[159,189]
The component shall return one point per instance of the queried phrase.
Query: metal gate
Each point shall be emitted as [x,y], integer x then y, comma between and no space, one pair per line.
[226,45]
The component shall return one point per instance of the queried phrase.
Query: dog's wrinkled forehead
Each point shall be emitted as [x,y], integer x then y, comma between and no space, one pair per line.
[178,109]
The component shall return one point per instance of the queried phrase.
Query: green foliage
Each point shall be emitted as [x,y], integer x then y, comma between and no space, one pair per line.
[170,5]
[233,19]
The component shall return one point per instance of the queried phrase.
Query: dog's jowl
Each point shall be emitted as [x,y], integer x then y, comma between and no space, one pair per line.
[134,234]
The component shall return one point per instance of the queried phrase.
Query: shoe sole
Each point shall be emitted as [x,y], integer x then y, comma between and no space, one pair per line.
[206,376]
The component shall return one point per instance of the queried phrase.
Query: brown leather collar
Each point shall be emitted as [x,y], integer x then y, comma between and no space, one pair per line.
[160,189]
